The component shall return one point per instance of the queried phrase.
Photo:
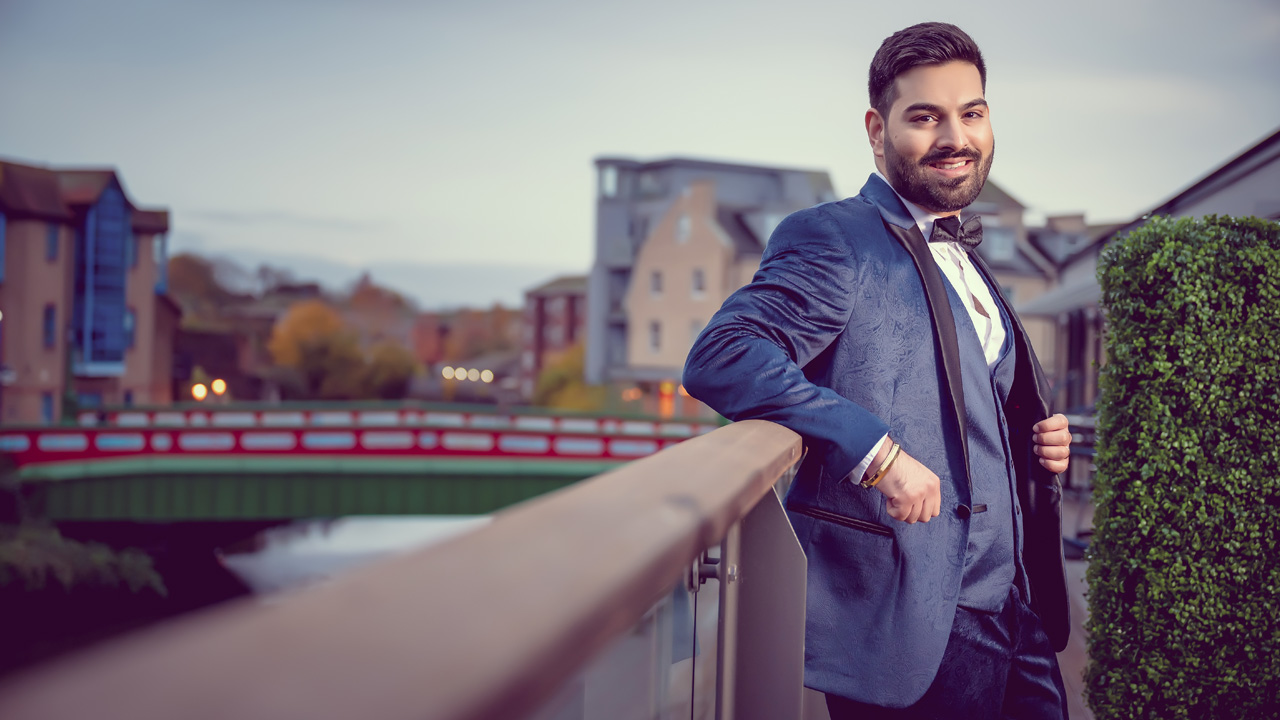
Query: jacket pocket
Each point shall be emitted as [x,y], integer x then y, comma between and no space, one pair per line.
[842,520]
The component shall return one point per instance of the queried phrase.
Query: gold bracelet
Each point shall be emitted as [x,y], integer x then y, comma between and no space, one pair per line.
[884,466]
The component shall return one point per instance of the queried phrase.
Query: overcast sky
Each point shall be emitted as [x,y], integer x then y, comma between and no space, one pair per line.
[436,135]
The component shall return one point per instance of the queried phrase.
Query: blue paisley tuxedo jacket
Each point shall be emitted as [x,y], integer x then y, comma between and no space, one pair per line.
[845,334]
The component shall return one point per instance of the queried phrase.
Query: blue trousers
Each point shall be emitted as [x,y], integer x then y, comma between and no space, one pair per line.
[995,666]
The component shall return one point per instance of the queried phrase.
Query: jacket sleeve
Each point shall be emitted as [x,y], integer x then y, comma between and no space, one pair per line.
[748,360]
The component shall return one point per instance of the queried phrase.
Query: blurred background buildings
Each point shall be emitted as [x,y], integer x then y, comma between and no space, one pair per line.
[95,313]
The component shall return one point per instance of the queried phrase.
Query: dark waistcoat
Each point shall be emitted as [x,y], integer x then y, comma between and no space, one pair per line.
[992,558]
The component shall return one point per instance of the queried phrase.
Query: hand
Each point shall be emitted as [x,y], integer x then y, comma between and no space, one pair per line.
[912,491]
[1052,442]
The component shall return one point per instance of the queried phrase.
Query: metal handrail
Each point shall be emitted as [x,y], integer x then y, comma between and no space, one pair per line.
[487,625]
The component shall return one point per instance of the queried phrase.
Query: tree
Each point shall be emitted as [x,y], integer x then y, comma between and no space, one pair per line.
[561,384]
[391,367]
[312,341]
[194,284]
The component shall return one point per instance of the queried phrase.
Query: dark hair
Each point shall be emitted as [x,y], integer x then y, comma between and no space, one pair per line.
[931,43]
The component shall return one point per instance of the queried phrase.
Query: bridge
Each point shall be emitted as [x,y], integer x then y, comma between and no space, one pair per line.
[271,462]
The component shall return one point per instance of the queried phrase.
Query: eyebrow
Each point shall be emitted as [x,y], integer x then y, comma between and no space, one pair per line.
[937,110]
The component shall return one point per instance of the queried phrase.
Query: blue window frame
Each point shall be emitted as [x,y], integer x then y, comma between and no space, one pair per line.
[46,408]
[100,284]
[130,250]
[51,242]
[90,400]
[50,326]
[128,398]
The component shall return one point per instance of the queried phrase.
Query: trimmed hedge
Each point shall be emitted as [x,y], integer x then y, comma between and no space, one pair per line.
[1184,571]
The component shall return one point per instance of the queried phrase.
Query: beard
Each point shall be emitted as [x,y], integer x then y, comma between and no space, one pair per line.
[914,181]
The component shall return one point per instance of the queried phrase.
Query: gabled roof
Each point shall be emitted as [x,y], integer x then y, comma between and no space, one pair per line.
[993,193]
[28,191]
[85,186]
[733,222]
[562,284]
[150,221]
[1265,150]
[49,194]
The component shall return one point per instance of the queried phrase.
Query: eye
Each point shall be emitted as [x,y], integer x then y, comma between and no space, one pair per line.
[923,118]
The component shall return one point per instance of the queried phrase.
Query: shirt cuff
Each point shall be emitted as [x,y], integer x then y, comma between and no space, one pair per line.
[861,470]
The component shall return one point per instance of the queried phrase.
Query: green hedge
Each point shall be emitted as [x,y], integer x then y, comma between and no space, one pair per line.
[1184,571]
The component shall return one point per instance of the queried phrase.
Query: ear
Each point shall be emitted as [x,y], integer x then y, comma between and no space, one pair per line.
[875,132]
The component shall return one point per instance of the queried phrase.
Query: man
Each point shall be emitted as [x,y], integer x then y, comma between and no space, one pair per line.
[928,502]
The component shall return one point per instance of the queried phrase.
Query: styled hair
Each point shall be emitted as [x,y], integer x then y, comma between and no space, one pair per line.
[931,43]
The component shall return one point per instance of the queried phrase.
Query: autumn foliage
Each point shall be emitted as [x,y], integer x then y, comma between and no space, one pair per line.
[323,358]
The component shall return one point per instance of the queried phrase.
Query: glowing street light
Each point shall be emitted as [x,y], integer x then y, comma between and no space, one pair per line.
[199,392]
[486,376]
[473,374]
[447,372]
[219,386]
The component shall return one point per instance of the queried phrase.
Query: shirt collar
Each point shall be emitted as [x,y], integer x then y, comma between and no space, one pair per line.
[924,219]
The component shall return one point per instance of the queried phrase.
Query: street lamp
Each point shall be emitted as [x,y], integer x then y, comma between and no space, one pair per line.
[199,392]
[219,386]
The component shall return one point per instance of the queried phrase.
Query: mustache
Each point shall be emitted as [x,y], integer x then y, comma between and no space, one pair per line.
[941,155]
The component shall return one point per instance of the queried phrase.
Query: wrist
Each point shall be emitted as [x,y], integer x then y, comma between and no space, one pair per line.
[882,468]
[882,454]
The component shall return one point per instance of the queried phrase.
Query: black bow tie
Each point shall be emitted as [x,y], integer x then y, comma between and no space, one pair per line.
[949,229]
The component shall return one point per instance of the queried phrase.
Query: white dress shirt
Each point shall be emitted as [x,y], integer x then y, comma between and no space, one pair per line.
[953,260]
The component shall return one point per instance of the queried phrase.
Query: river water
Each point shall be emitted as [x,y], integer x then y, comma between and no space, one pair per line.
[307,552]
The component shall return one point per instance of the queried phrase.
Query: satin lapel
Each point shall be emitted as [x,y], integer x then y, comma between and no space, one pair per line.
[944,323]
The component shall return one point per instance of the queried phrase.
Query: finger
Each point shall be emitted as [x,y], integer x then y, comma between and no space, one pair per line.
[1055,466]
[895,510]
[1054,437]
[1052,452]
[1057,421]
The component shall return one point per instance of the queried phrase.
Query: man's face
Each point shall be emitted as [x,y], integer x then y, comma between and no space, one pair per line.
[935,146]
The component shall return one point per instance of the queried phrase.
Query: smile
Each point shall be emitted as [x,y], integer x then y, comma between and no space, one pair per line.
[951,165]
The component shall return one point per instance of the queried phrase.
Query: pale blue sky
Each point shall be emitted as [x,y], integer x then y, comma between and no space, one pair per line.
[417,135]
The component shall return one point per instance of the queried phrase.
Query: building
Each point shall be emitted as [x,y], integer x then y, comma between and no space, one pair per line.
[555,319]
[82,292]
[701,227]
[1246,185]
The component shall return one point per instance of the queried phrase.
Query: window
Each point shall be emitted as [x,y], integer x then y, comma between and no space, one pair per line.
[3,224]
[51,242]
[683,225]
[46,408]
[655,283]
[90,400]
[999,243]
[50,327]
[699,284]
[655,336]
[128,398]
[162,263]
[130,250]
[609,181]
[100,283]
[129,320]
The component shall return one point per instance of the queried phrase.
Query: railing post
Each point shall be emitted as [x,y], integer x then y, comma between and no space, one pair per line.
[762,612]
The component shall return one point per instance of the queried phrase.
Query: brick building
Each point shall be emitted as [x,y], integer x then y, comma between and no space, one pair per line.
[555,319]
[82,294]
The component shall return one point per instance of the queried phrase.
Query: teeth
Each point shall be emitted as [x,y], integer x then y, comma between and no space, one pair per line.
[951,166]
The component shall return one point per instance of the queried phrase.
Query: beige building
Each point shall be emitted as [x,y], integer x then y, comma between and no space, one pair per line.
[696,255]
[82,292]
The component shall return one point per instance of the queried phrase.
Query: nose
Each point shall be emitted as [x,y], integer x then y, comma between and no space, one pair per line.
[951,135]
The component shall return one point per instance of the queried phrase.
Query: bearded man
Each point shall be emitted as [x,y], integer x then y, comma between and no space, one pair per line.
[928,503]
